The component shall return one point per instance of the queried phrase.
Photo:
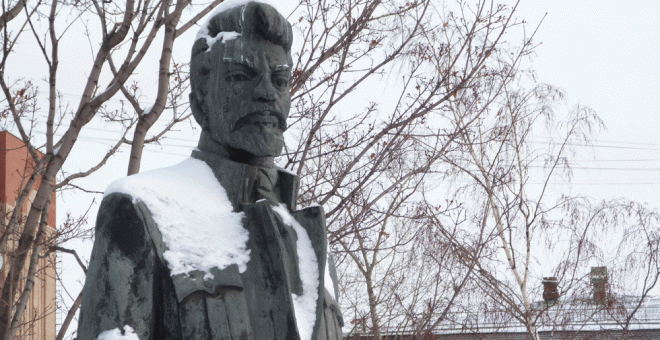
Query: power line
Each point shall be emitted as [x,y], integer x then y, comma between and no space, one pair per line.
[575,166]
[575,163]
[612,141]
[618,160]
[614,169]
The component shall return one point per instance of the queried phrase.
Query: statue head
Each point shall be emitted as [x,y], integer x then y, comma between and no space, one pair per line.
[240,73]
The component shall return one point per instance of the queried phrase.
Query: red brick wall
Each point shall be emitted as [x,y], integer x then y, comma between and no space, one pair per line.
[15,170]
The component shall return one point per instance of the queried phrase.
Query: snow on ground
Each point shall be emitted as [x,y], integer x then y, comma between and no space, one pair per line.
[115,334]
[193,214]
[305,304]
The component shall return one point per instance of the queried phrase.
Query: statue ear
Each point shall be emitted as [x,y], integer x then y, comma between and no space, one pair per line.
[198,111]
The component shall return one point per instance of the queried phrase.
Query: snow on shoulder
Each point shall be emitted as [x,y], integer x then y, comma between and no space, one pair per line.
[327,279]
[194,215]
[116,334]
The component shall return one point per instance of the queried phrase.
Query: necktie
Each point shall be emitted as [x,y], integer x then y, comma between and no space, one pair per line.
[259,183]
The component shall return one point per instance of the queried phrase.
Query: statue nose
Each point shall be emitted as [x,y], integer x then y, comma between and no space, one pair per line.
[265,91]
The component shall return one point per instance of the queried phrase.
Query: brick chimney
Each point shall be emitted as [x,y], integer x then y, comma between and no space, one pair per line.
[550,292]
[599,283]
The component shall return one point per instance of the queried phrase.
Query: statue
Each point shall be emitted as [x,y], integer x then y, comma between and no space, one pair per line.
[214,247]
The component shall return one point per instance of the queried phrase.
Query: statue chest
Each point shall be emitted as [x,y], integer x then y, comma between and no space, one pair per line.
[257,303]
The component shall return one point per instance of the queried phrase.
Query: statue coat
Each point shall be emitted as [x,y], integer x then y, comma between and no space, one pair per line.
[129,282]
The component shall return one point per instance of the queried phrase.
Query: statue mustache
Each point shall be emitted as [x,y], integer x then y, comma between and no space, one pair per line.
[262,118]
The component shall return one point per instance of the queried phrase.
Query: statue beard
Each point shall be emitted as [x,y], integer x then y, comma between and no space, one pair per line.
[256,139]
[259,133]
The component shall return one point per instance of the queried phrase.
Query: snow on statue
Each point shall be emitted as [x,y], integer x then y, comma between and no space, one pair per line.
[214,248]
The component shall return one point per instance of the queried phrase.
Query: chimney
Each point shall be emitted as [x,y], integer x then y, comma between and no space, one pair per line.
[550,292]
[599,284]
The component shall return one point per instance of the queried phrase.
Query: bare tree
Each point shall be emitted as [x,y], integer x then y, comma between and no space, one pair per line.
[460,110]
[498,156]
[127,34]
[510,164]
[631,260]
[374,167]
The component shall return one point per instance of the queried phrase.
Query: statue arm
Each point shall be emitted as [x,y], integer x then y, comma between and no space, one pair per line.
[119,289]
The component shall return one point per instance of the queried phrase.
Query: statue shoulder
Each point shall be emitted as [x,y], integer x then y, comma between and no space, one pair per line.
[187,215]
[185,189]
[135,207]
[120,223]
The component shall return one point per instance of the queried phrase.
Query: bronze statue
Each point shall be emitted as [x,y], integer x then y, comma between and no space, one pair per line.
[273,279]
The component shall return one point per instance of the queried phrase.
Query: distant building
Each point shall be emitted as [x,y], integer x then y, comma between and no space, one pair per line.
[39,316]
[598,317]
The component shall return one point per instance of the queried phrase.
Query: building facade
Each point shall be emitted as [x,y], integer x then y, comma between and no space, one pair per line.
[39,318]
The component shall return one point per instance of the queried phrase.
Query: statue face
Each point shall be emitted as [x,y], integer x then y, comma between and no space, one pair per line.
[248,100]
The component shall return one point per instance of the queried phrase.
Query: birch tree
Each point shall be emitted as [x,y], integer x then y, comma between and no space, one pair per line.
[515,165]
[498,156]
[373,167]
[465,113]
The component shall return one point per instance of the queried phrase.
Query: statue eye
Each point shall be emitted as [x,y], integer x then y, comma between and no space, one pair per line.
[238,76]
[281,81]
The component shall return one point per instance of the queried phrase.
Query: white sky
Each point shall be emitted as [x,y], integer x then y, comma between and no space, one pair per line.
[604,54]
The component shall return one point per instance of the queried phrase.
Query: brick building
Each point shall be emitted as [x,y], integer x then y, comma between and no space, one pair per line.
[39,316]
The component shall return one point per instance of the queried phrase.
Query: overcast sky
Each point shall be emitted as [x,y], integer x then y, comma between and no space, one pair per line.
[606,55]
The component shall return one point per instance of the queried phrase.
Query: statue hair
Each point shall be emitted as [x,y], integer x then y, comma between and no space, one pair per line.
[253,20]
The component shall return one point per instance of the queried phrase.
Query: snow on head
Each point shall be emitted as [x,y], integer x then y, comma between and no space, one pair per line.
[193,214]
[116,334]
[304,305]
[221,37]
[225,36]
[229,4]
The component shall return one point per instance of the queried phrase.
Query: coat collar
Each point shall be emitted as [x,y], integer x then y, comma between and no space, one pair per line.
[234,177]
